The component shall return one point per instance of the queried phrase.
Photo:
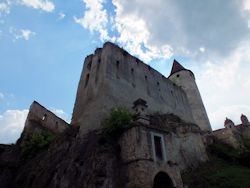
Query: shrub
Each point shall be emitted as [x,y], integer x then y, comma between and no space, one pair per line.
[36,143]
[118,119]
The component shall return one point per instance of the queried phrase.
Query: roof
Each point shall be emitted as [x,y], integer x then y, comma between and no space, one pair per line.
[177,67]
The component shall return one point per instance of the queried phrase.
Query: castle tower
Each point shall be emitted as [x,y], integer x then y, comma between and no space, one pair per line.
[228,123]
[244,119]
[111,77]
[186,80]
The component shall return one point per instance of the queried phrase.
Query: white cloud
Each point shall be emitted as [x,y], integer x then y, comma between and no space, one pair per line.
[95,18]
[4,8]
[202,49]
[21,34]
[246,4]
[60,113]
[158,29]
[11,125]
[1,96]
[225,85]
[27,33]
[61,15]
[44,5]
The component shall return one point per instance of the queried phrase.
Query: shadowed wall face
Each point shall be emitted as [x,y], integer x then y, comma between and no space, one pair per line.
[185,79]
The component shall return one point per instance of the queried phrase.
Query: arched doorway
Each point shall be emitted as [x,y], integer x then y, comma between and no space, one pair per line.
[162,180]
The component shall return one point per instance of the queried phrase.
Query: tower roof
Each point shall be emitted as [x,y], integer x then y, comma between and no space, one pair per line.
[178,67]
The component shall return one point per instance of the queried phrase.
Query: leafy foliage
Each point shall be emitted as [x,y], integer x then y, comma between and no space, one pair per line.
[118,119]
[36,143]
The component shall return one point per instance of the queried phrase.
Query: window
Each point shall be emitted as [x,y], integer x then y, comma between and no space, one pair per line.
[158,147]
[117,64]
[132,71]
[87,80]
[89,65]
[44,117]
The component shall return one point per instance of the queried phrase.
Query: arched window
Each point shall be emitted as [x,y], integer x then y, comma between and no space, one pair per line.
[162,180]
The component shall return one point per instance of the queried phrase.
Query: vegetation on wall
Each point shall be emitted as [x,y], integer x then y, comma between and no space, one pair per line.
[118,119]
[228,168]
[36,143]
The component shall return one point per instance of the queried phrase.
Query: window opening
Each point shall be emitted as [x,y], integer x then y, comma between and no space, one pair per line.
[87,80]
[158,147]
[89,65]
[44,117]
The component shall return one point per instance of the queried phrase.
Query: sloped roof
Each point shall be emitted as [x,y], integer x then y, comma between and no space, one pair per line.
[176,67]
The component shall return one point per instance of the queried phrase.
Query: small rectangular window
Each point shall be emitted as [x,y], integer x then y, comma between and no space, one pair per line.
[158,147]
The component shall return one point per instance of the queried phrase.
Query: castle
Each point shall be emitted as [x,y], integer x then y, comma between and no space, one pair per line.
[112,77]
[167,137]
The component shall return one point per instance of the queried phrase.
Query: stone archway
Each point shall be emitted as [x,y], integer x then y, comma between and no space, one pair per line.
[162,180]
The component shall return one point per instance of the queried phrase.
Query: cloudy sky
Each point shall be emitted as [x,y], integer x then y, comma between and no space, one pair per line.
[43,44]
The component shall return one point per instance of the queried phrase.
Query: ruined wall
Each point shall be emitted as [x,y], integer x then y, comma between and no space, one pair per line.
[39,118]
[185,79]
[112,77]
[233,136]
[137,155]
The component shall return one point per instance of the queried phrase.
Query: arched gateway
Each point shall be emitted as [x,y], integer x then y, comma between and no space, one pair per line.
[162,180]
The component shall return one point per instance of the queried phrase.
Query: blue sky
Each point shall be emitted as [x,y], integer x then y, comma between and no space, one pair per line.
[43,44]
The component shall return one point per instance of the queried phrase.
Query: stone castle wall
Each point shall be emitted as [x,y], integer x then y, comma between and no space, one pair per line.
[39,118]
[181,150]
[185,79]
[112,77]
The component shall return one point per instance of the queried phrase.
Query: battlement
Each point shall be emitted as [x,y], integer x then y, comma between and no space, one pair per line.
[112,77]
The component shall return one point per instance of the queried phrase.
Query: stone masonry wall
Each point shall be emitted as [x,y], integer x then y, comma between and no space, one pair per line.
[181,151]
[112,77]
[39,118]
[185,79]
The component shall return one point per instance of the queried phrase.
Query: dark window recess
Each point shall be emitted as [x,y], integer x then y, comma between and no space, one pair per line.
[56,125]
[178,75]
[146,77]
[87,80]
[117,63]
[89,65]
[158,147]
[158,83]
[149,68]
[99,60]
[132,70]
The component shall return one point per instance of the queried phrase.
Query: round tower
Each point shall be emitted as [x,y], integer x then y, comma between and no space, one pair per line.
[186,80]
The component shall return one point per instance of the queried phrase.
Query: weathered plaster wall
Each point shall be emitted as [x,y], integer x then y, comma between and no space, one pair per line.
[39,118]
[185,79]
[112,77]
[182,150]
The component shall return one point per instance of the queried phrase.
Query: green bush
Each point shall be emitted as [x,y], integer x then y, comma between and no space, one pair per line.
[224,151]
[118,119]
[37,142]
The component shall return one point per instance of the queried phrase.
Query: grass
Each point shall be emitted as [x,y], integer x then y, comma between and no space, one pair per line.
[224,170]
